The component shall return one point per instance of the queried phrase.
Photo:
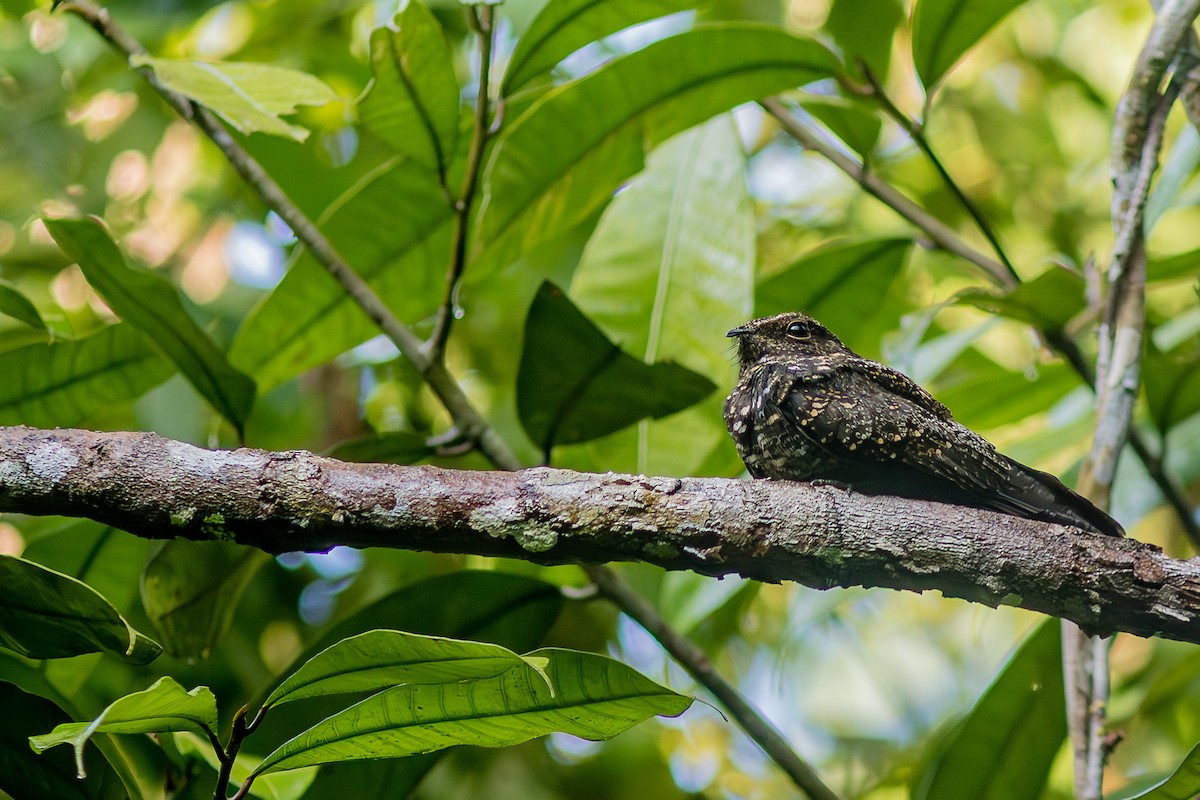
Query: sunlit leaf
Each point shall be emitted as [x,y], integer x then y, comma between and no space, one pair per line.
[564,26]
[854,125]
[1173,267]
[861,41]
[1048,301]
[190,590]
[150,303]
[943,30]
[412,103]
[18,306]
[250,97]
[575,385]
[45,614]
[594,698]
[163,707]
[61,383]
[1003,749]
[379,659]
[1183,784]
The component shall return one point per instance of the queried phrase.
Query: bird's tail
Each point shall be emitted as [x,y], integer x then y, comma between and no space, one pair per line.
[1058,503]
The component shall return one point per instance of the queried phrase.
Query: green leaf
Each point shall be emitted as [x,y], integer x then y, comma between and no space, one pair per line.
[1048,301]
[399,447]
[1172,383]
[53,777]
[871,43]
[190,590]
[838,284]
[163,707]
[994,395]
[391,227]
[667,272]
[45,614]
[1003,749]
[381,658]
[413,101]
[575,385]
[16,305]
[149,302]
[563,158]
[1173,267]
[564,26]
[594,698]
[945,29]
[250,97]
[1183,784]
[858,128]
[62,382]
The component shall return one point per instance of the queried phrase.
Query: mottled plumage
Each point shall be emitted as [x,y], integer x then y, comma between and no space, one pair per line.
[806,407]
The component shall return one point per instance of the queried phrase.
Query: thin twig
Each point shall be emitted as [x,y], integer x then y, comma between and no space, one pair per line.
[482,21]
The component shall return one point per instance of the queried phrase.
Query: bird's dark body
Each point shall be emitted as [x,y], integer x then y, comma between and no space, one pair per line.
[808,408]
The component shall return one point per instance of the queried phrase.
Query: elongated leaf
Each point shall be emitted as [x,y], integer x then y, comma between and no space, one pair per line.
[382,658]
[1004,747]
[1048,301]
[594,698]
[163,707]
[668,271]
[190,589]
[1172,386]
[856,126]
[575,385]
[150,303]
[400,447]
[945,29]
[860,40]
[391,228]
[16,305]
[1183,784]
[53,777]
[566,155]
[250,97]
[61,383]
[564,26]
[412,103]
[45,614]
[1174,267]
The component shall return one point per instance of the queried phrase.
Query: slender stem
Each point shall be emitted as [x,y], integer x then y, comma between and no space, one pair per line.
[228,756]
[697,664]
[482,21]
[916,132]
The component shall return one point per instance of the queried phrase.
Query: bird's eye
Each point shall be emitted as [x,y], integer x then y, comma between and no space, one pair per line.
[799,330]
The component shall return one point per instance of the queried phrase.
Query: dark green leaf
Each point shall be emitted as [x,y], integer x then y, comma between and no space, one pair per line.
[163,707]
[412,103]
[399,447]
[945,29]
[565,156]
[45,614]
[190,589]
[593,697]
[1184,783]
[1172,382]
[564,26]
[998,396]
[391,228]
[860,40]
[1004,748]
[854,125]
[1180,265]
[250,97]
[1048,301]
[52,777]
[61,383]
[575,385]
[18,306]
[149,302]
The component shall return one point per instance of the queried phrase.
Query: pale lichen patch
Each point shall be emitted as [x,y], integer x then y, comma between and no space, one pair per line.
[52,461]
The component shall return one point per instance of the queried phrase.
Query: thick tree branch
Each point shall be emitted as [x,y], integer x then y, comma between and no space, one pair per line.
[821,536]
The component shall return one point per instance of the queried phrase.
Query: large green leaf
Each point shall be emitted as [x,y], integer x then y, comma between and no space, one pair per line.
[575,385]
[667,272]
[593,697]
[571,150]
[379,659]
[945,29]
[564,26]
[149,302]
[854,124]
[1183,784]
[1048,301]
[859,40]
[18,306]
[250,97]
[1174,267]
[163,707]
[390,227]
[1004,748]
[190,590]
[412,103]
[61,383]
[989,395]
[53,777]
[45,614]
[1172,382]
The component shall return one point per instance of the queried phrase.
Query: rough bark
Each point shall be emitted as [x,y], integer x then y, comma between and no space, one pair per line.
[821,536]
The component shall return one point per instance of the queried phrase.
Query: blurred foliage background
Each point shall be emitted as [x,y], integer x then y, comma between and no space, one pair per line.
[729,219]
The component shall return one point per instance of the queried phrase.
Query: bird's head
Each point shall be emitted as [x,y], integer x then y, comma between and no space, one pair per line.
[784,338]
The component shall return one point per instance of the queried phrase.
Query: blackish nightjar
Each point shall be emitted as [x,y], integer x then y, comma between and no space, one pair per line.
[808,408]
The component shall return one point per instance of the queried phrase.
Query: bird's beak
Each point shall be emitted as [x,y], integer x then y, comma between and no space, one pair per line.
[738,331]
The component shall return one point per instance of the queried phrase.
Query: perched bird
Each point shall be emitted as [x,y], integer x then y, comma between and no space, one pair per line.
[808,408]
